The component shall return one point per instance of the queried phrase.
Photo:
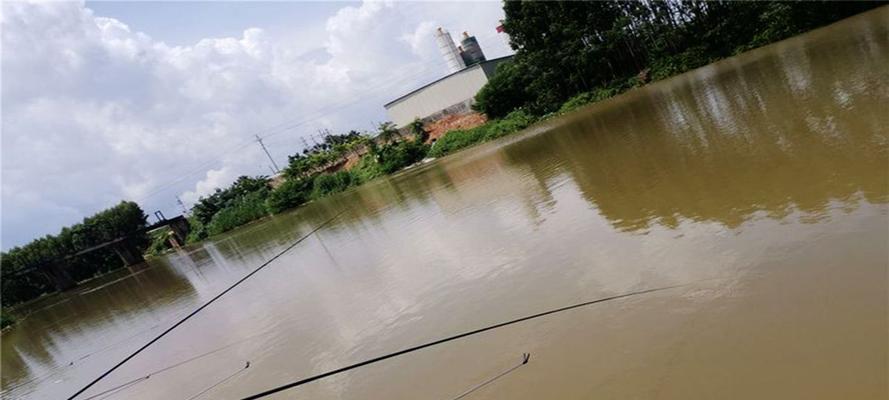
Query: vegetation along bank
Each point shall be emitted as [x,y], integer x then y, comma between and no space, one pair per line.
[567,54]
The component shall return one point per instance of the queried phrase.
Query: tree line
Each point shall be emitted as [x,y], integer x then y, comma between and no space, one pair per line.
[591,50]
[112,223]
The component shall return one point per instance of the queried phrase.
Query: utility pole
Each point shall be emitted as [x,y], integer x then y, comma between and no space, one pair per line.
[305,144]
[181,204]
[259,139]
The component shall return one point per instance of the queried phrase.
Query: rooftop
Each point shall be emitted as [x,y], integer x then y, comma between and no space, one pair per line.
[477,65]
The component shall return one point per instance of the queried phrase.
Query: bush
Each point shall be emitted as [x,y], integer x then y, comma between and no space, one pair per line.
[394,157]
[326,184]
[596,95]
[676,64]
[505,91]
[462,138]
[290,194]
[245,209]
[197,230]
[367,168]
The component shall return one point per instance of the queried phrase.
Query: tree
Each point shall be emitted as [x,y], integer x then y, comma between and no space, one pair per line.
[419,131]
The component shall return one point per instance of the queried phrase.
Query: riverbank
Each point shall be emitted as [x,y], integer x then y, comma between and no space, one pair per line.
[385,152]
[769,212]
[510,99]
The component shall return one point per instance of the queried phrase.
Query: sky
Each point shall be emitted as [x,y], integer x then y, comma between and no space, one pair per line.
[159,101]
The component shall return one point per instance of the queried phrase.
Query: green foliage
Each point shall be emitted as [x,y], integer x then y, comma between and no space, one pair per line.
[115,222]
[327,184]
[387,132]
[197,230]
[505,91]
[420,134]
[394,157]
[567,54]
[207,207]
[566,49]
[367,168]
[333,149]
[675,64]
[462,138]
[291,193]
[244,209]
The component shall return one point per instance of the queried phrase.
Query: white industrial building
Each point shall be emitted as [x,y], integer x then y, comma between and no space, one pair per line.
[452,94]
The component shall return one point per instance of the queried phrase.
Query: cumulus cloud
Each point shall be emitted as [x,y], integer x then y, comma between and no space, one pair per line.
[95,112]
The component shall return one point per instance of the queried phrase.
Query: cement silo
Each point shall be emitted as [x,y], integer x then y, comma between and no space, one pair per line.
[449,50]
[471,52]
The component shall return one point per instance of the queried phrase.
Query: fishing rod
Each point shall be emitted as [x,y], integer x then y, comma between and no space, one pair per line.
[447,339]
[205,305]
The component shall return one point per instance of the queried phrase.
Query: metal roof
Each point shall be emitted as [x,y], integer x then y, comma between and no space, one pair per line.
[478,65]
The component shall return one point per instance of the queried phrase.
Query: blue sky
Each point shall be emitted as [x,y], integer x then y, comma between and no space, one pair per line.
[155,101]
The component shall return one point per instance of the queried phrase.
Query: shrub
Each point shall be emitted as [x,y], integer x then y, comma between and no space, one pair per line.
[505,91]
[394,157]
[326,184]
[593,96]
[367,168]
[290,194]
[245,209]
[676,64]
[461,138]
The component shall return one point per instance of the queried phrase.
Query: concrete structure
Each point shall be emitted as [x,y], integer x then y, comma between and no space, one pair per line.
[449,50]
[452,94]
[470,51]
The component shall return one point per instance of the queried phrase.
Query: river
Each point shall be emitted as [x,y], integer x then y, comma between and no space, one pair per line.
[759,183]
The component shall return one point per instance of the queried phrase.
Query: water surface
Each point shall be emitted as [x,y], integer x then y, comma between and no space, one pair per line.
[760,183]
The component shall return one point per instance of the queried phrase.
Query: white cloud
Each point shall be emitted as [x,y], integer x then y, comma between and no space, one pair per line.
[94,112]
[215,178]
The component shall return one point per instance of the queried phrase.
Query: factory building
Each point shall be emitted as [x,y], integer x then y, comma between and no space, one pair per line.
[453,93]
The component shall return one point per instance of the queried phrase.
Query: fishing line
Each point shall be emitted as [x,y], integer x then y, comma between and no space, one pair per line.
[205,305]
[179,364]
[447,339]
[220,382]
[110,392]
[525,358]
[55,369]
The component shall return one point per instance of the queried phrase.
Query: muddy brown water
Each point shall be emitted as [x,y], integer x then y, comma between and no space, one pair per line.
[760,183]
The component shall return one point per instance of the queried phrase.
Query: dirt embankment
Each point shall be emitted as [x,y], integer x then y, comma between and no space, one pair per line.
[447,123]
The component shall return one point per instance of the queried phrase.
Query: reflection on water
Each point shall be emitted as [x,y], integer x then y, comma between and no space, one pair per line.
[760,182]
[731,140]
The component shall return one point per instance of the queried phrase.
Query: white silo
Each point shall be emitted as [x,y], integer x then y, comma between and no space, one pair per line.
[449,50]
